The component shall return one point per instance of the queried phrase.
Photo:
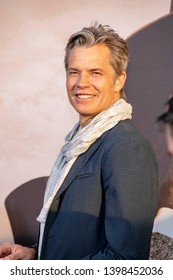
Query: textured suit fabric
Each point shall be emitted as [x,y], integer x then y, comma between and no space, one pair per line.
[106,206]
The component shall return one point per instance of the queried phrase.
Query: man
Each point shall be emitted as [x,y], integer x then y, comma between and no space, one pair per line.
[162,237]
[101,195]
[167,119]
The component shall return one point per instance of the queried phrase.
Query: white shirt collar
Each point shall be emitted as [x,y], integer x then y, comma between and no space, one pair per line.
[164,221]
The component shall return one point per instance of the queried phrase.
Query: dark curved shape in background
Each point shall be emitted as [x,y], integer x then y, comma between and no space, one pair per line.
[150,82]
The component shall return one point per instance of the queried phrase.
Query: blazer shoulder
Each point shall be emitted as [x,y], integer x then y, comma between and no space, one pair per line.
[125,133]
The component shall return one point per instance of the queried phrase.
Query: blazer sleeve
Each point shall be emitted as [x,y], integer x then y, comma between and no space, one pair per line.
[129,176]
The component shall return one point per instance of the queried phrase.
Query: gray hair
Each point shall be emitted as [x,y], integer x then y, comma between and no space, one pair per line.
[95,34]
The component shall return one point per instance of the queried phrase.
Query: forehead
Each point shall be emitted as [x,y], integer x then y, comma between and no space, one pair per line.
[97,54]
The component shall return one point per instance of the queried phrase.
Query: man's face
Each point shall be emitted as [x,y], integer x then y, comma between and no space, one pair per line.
[169,139]
[91,83]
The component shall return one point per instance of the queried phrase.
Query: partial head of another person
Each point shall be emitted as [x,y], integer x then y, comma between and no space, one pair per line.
[167,119]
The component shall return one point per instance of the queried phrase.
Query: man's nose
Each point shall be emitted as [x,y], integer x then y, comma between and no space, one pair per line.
[83,80]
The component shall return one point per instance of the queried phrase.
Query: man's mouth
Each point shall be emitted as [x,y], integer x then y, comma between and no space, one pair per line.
[84,96]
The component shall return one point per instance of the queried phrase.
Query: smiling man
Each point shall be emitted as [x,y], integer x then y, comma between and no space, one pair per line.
[92,84]
[101,197]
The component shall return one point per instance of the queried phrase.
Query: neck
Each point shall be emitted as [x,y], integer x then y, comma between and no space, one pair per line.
[84,121]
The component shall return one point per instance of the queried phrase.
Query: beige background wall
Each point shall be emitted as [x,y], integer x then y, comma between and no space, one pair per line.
[34,111]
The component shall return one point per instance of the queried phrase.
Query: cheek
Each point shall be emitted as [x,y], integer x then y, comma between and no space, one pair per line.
[69,85]
[170,146]
[169,140]
[99,84]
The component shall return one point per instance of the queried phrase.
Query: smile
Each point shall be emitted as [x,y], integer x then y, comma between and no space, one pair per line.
[84,96]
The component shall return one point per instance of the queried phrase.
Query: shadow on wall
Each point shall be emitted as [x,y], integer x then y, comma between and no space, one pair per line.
[150,81]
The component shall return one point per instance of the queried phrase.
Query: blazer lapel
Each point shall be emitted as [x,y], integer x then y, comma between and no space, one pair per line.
[78,165]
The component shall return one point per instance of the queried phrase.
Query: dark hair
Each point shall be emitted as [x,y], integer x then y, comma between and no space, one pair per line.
[167,117]
[97,34]
[165,198]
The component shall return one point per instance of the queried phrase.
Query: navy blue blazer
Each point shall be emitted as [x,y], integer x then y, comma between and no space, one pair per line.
[106,206]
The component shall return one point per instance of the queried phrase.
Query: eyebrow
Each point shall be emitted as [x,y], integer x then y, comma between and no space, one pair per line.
[96,69]
[72,68]
[92,69]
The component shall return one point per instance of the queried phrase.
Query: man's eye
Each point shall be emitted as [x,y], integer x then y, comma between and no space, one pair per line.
[72,73]
[96,73]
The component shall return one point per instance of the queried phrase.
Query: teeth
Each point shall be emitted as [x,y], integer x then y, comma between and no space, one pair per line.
[84,96]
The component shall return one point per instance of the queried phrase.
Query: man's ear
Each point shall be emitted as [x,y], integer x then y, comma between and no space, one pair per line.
[120,81]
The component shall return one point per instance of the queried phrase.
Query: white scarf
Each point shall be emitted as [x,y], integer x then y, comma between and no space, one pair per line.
[78,143]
